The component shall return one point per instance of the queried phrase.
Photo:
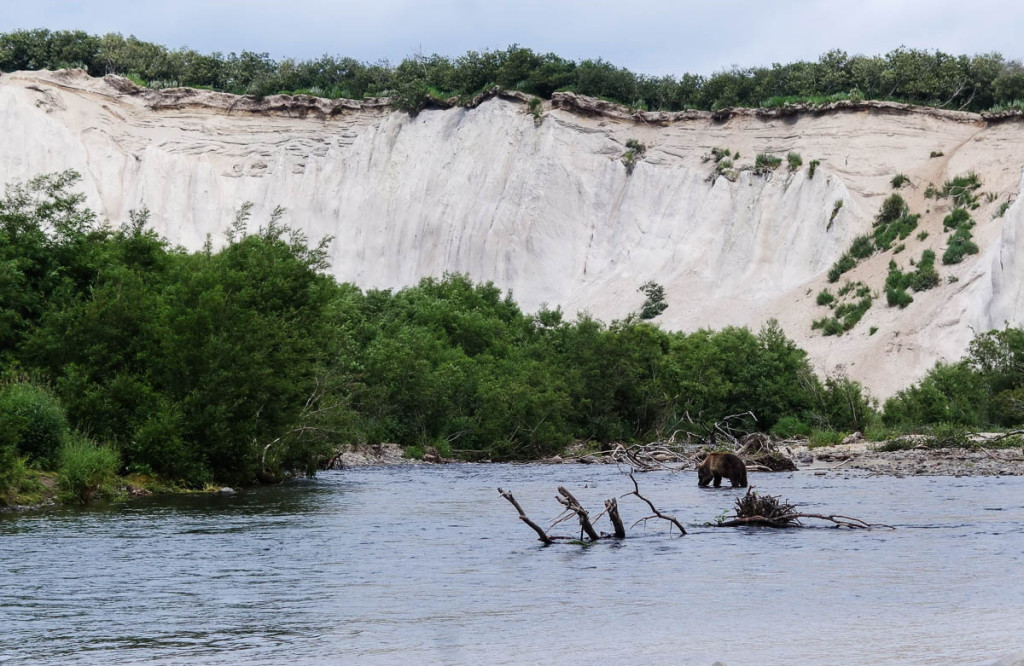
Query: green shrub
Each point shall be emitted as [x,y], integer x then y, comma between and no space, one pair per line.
[35,420]
[536,107]
[825,297]
[862,247]
[812,167]
[898,297]
[86,468]
[836,207]
[634,152]
[923,235]
[1003,207]
[718,154]
[899,180]
[925,277]
[859,289]
[795,161]
[936,153]
[828,326]
[873,330]
[819,438]
[789,427]
[958,217]
[961,189]
[893,208]
[12,467]
[893,221]
[876,431]
[851,313]
[844,264]
[960,245]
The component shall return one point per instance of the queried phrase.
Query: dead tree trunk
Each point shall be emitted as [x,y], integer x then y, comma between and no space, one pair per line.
[571,503]
[612,507]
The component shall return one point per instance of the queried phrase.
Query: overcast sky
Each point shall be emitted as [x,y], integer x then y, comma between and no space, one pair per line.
[652,36]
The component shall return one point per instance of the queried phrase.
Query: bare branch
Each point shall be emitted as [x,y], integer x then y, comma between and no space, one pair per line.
[523,517]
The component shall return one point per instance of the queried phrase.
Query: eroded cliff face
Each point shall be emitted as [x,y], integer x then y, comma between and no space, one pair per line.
[548,210]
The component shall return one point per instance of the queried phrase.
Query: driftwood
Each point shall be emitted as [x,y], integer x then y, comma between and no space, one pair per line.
[770,511]
[566,499]
[574,508]
[526,519]
[657,514]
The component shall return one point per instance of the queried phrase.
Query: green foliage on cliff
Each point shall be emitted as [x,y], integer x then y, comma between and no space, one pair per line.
[916,76]
[986,388]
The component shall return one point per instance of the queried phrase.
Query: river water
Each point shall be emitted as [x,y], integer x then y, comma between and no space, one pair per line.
[427,564]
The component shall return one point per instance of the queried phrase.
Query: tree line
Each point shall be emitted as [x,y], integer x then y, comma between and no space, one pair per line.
[248,363]
[977,83]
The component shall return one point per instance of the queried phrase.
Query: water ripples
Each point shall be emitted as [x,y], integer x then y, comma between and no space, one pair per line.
[429,565]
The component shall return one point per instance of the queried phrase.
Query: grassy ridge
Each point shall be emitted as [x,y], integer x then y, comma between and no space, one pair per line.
[977,83]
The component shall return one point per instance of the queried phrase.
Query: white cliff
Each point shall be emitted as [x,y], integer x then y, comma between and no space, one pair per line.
[549,211]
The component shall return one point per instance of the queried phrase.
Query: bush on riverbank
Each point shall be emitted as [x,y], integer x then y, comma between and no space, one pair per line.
[86,469]
[249,363]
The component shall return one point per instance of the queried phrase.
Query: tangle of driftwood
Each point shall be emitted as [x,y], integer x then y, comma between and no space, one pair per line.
[771,511]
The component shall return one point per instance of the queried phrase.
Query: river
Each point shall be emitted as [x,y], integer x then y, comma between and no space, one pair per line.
[427,564]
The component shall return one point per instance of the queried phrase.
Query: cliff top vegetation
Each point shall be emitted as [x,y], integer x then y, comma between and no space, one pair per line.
[983,82]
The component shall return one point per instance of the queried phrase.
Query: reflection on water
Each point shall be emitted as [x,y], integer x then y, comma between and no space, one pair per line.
[430,565]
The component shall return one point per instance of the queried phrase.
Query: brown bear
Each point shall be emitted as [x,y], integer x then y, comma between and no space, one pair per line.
[717,465]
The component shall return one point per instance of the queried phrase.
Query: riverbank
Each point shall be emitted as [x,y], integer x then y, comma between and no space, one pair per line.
[869,457]
[923,461]
[41,489]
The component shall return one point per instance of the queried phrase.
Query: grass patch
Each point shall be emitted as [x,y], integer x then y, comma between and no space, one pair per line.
[789,427]
[765,163]
[898,181]
[86,470]
[812,166]
[819,438]
[794,160]
[850,304]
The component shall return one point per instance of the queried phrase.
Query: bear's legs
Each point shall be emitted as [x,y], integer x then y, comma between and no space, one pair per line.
[718,480]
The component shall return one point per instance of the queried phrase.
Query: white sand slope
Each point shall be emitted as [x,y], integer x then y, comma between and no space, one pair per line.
[549,211]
